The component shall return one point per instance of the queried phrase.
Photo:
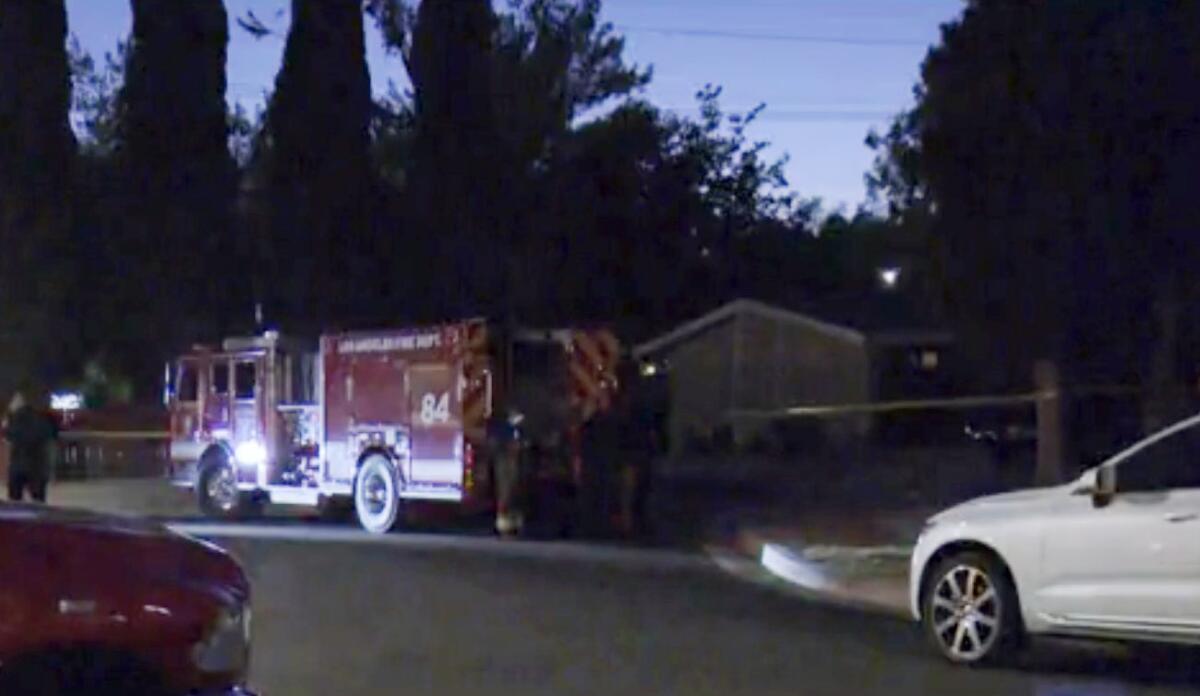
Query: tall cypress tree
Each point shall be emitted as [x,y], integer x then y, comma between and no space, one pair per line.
[453,187]
[318,254]
[179,177]
[36,153]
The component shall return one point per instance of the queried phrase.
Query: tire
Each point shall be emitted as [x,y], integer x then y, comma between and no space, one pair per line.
[216,490]
[970,610]
[80,673]
[377,500]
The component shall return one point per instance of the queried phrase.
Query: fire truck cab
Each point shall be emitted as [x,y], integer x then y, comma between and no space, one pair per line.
[373,418]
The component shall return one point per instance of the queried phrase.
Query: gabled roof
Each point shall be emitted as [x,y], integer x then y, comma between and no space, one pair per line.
[746,306]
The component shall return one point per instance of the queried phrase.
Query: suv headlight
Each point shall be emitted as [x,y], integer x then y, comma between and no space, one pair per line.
[227,647]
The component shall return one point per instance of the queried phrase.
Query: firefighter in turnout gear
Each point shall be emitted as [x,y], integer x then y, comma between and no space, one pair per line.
[638,443]
[505,438]
[31,434]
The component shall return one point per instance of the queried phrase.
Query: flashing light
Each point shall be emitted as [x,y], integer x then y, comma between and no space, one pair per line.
[66,401]
[250,452]
[649,369]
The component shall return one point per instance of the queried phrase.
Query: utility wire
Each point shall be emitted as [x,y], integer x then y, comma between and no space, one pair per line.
[787,38]
[806,115]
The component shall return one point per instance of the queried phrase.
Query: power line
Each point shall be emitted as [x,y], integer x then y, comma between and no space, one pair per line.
[787,38]
[808,115]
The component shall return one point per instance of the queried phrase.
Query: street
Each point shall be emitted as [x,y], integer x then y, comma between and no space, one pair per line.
[339,612]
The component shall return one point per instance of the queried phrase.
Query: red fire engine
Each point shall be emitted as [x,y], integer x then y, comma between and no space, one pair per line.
[376,417]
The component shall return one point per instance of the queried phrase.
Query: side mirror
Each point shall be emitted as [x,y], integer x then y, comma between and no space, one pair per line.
[1099,483]
[1106,486]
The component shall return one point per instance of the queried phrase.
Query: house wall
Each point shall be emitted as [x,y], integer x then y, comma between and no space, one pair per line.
[780,364]
[700,380]
[756,363]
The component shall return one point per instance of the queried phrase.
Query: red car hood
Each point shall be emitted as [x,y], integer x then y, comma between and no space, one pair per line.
[102,544]
[42,515]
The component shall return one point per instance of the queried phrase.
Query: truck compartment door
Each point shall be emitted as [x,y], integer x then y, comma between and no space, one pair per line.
[436,436]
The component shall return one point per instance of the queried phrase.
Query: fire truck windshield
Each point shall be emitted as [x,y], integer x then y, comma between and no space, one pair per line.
[220,378]
[244,380]
[187,387]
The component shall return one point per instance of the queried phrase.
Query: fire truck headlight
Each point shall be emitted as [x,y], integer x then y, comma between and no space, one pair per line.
[250,453]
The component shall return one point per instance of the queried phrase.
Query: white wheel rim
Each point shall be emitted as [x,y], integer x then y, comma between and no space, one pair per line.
[222,489]
[965,613]
[375,497]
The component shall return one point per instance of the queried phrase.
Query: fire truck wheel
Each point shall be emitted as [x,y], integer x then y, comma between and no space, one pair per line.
[218,492]
[377,494]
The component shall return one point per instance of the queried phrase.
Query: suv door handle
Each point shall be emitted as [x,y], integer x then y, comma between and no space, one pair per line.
[1182,516]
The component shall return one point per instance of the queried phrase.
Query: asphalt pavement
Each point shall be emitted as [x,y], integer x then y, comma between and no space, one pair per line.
[339,612]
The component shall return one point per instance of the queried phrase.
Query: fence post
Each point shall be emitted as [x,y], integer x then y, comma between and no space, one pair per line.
[1050,435]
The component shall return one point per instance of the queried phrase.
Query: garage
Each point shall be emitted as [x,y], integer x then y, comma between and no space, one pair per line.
[729,368]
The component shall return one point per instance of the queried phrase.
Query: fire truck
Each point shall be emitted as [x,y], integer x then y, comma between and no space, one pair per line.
[377,419]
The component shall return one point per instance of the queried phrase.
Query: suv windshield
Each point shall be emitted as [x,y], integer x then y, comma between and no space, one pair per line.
[1170,463]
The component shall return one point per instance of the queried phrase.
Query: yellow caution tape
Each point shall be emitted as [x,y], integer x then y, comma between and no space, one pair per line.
[115,435]
[958,402]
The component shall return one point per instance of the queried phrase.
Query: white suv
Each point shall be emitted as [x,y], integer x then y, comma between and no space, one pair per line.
[1114,555]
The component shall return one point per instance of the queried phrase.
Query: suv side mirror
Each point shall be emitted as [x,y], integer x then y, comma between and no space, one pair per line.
[1099,483]
[1106,485]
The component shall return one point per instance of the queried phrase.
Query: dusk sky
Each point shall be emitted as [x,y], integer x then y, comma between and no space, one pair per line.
[828,70]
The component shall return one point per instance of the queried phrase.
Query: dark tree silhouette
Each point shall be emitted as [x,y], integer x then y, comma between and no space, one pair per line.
[318,260]
[1054,143]
[495,98]
[452,193]
[178,177]
[36,163]
[537,184]
[652,218]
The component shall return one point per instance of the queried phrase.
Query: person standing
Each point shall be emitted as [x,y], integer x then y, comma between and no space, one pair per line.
[600,453]
[638,447]
[647,445]
[30,435]
[505,439]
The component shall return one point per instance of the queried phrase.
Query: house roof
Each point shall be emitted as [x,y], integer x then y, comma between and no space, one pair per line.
[745,306]
[862,324]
